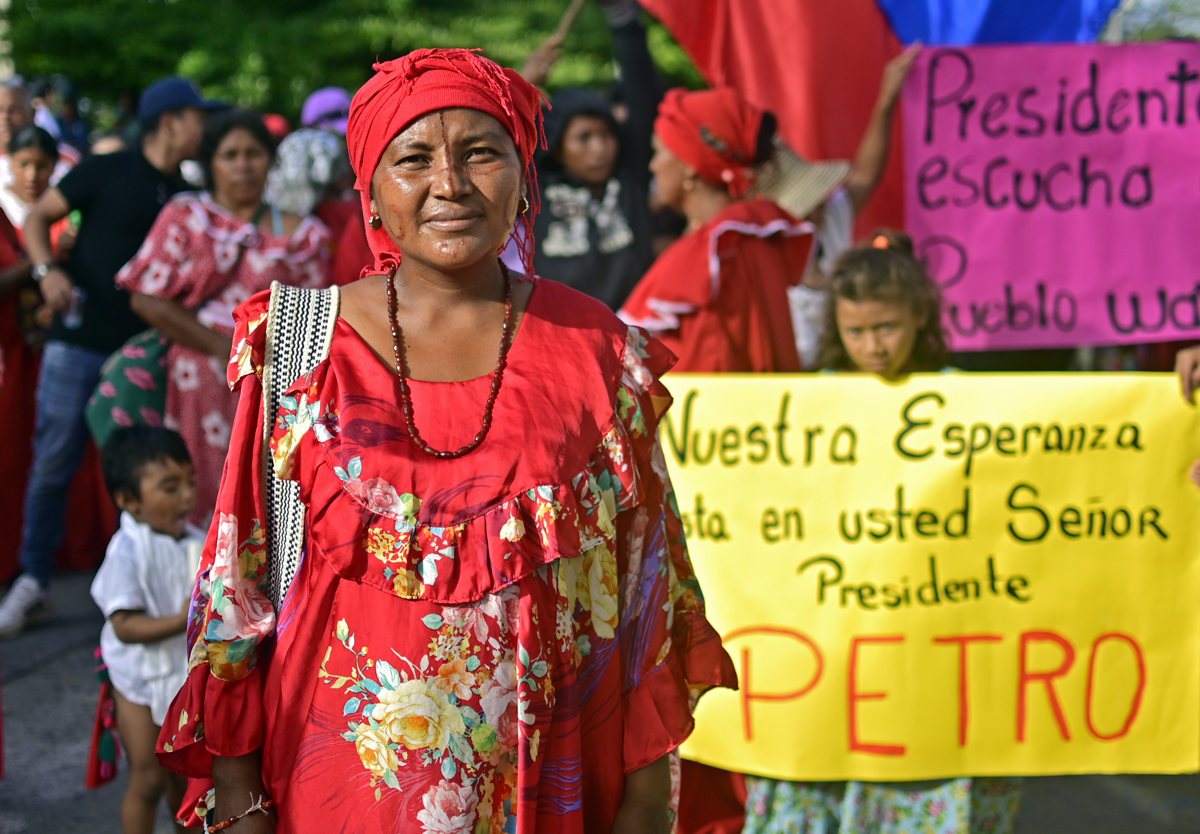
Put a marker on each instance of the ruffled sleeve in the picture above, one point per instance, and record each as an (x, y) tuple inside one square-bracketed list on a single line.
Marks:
[(219, 709), (670, 652), (161, 266)]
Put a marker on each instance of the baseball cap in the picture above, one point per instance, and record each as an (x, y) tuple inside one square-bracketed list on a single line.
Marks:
[(172, 93), (328, 107)]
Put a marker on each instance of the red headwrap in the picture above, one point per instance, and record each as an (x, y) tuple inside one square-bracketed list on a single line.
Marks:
[(713, 131), (425, 80)]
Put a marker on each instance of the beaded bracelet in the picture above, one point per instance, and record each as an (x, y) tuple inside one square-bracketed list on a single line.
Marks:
[(260, 806)]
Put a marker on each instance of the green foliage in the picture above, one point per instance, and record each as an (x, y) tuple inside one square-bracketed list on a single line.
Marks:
[(272, 53)]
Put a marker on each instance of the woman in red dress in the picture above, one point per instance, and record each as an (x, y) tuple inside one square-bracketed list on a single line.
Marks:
[(207, 253), (495, 625)]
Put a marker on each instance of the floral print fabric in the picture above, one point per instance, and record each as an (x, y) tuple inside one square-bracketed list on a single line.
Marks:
[(473, 645), (210, 261), (950, 806)]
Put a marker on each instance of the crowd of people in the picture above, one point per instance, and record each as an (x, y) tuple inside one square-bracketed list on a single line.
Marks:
[(445, 586)]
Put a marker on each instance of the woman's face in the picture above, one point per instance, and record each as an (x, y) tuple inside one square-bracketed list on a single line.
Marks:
[(670, 173), (589, 150), (447, 188), (878, 335), (31, 169), (239, 169)]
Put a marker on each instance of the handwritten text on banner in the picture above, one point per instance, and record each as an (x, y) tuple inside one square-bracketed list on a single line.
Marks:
[(958, 575), (1052, 190)]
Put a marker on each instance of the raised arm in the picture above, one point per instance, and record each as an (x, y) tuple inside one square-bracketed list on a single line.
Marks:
[(871, 159), (638, 81)]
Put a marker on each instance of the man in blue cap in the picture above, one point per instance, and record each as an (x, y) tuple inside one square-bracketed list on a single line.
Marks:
[(119, 196)]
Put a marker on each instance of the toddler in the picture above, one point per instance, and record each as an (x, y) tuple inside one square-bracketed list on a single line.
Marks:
[(143, 587)]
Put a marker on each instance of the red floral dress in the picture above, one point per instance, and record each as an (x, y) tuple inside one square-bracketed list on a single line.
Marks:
[(210, 261), (474, 645)]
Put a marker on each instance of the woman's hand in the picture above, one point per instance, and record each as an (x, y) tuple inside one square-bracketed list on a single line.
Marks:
[(894, 73), (180, 325), (644, 807)]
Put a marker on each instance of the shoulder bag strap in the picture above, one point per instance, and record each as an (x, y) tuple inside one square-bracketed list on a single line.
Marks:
[(299, 331)]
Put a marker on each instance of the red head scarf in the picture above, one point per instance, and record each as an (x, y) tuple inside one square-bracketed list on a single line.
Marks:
[(713, 131), (425, 80)]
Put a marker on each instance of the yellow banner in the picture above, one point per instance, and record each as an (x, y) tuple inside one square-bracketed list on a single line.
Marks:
[(963, 574)]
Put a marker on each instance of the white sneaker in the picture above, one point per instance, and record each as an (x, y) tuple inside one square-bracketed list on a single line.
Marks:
[(25, 602)]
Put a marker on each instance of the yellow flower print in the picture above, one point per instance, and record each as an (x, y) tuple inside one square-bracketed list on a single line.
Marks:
[(602, 588), (381, 544), (513, 529), (408, 585), (417, 715), (371, 745)]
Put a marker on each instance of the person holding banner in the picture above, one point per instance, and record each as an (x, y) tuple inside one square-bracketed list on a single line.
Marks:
[(493, 624), (885, 319), (718, 297)]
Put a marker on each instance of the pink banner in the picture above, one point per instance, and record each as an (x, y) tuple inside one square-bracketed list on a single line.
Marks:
[(1054, 191)]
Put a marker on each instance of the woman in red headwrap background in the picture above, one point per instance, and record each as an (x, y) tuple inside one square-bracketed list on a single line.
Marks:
[(494, 626), (718, 296)]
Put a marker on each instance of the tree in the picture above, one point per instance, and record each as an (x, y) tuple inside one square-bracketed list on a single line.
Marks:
[(272, 53)]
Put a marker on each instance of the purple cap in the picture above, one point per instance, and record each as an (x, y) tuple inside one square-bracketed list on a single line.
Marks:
[(172, 93), (328, 107)]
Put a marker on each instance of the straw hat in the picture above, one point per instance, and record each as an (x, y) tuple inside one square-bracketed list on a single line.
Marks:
[(796, 184)]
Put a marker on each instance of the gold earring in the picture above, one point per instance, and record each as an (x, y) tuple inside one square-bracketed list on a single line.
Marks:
[(689, 184), (523, 206), (375, 222)]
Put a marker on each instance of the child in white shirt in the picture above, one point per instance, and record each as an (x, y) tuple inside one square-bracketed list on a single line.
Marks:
[(143, 588)]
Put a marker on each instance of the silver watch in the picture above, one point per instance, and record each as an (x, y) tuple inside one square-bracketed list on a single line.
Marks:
[(39, 271)]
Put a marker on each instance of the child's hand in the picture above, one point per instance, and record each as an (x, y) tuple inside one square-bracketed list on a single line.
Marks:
[(1194, 473)]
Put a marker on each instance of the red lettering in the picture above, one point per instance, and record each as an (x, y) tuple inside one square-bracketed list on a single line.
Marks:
[(747, 694), (963, 642), (1027, 677), (1137, 696), (855, 696)]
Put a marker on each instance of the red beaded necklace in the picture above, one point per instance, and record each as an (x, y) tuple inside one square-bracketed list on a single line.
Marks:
[(406, 405)]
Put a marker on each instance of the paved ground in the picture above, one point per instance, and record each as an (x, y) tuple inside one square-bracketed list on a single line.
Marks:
[(49, 696)]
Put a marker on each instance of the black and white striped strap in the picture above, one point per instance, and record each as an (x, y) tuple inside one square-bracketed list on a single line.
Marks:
[(299, 330)]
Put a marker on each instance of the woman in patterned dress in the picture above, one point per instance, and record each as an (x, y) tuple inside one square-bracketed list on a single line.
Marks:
[(494, 626), (207, 253)]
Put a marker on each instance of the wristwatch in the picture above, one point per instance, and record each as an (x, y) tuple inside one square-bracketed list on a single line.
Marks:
[(39, 270)]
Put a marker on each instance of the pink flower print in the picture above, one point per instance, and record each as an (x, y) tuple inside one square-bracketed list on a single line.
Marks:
[(141, 378), (133, 352), (107, 390), (149, 416), (121, 416), (155, 278), (186, 373), (448, 809), (174, 242), (381, 497), (216, 429)]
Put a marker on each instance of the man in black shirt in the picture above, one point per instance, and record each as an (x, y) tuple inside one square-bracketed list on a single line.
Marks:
[(119, 196)]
